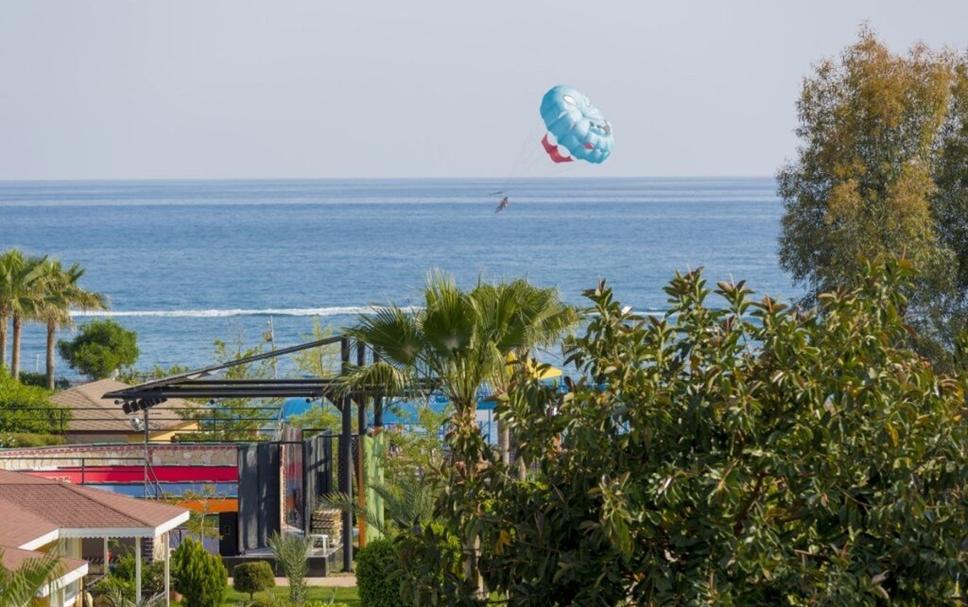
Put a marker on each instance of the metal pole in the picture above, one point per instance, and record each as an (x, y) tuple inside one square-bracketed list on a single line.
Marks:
[(167, 547), (137, 570), (346, 462)]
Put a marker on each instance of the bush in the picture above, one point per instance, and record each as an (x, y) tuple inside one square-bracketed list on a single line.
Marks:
[(29, 439), (39, 380), (152, 575), (27, 408), (199, 576), (736, 453), (253, 577), (377, 574), (101, 348)]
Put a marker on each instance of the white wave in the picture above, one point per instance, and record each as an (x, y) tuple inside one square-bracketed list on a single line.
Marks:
[(227, 313)]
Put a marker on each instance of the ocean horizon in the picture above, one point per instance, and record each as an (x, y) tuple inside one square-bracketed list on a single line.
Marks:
[(185, 262)]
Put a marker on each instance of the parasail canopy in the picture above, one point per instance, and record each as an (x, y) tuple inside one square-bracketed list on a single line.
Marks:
[(576, 128)]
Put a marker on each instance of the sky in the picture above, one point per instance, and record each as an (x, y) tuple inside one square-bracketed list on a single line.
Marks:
[(212, 89)]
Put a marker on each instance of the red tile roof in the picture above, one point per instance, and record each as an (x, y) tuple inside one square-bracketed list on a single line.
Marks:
[(40, 505), (12, 558)]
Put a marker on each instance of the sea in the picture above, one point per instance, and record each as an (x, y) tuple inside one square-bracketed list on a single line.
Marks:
[(185, 263)]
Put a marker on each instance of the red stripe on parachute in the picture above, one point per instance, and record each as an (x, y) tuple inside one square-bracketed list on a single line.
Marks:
[(553, 152)]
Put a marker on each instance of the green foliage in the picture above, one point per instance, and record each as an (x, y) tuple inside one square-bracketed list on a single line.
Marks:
[(458, 342), (152, 576), (27, 408), (28, 439), (100, 348), (234, 418), (736, 453), (378, 576), (253, 577), (432, 572), (19, 587), (199, 576), (292, 554), (39, 380), (880, 172)]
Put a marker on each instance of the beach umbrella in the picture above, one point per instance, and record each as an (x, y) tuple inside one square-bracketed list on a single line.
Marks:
[(576, 128)]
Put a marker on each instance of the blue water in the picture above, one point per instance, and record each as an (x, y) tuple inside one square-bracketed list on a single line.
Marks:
[(185, 262)]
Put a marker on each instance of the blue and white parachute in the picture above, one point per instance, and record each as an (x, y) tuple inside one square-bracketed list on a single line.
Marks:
[(577, 127)]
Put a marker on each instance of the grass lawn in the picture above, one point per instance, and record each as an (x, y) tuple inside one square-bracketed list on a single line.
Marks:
[(315, 594)]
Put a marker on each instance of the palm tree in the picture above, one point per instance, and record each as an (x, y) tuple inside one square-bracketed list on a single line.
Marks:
[(459, 342), (20, 586), (59, 293), (19, 294)]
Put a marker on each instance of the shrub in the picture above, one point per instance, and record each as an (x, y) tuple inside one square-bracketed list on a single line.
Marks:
[(253, 577), (377, 574), (291, 552), (39, 380), (27, 408), (29, 439), (199, 576), (101, 348), (152, 575), (737, 453)]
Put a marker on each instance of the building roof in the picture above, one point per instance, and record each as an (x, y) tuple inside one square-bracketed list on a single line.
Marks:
[(13, 558), (92, 413), (40, 505)]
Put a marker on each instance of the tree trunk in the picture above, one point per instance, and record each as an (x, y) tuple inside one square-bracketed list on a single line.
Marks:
[(465, 420), (504, 442), (4, 323), (51, 334), (15, 354)]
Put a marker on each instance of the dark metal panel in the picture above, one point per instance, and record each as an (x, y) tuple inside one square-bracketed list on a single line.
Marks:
[(248, 497)]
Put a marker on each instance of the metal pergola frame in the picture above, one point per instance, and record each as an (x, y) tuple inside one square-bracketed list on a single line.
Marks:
[(193, 385)]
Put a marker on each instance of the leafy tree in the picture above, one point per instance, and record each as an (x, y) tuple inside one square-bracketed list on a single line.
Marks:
[(234, 418), (457, 343), (292, 554), (736, 453), (27, 408), (100, 348), (59, 293), (199, 576), (19, 297), (378, 576), (867, 181), (253, 577), (19, 587)]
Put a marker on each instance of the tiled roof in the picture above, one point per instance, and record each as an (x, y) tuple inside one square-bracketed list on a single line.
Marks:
[(14, 557), (19, 526), (92, 413), (41, 504)]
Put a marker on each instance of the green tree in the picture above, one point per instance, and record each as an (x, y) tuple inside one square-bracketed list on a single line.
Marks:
[(292, 554), (866, 180), (28, 408), (457, 343), (59, 294), (253, 577), (199, 576), (100, 348), (737, 453), (20, 586), (19, 297), (235, 418)]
